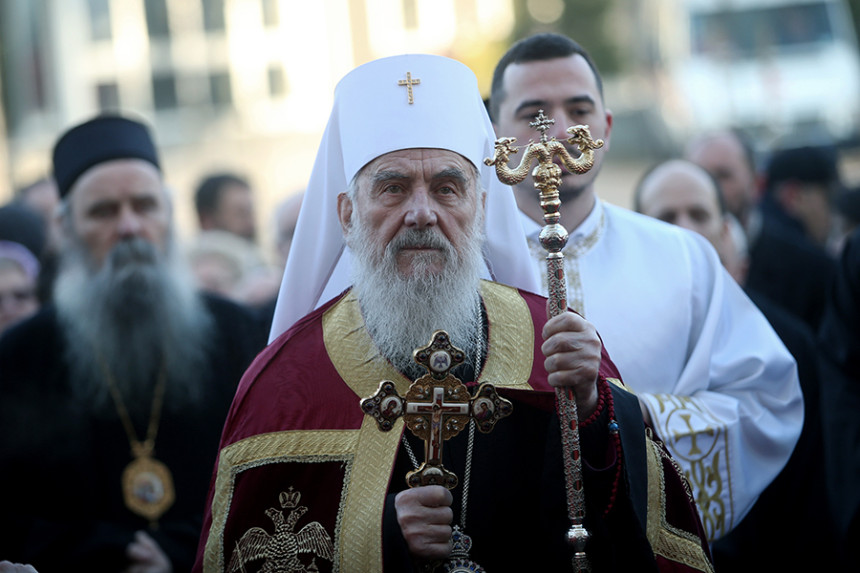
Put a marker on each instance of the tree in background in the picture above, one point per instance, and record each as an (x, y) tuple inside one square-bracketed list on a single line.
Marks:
[(854, 7), (586, 21)]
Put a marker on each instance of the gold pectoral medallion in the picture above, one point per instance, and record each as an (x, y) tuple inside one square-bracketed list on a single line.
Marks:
[(147, 487)]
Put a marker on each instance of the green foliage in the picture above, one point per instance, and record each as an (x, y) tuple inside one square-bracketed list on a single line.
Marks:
[(585, 21), (854, 7)]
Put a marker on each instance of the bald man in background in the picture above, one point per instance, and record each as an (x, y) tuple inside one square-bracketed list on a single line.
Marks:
[(682, 193), (792, 272)]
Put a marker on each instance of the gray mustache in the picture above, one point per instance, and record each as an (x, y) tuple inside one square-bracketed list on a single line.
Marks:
[(414, 238), (132, 251)]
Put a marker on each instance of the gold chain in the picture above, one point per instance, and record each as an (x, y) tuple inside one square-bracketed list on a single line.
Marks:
[(146, 447)]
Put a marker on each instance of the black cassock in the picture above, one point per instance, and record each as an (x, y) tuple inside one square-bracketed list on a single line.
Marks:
[(839, 343), (61, 501)]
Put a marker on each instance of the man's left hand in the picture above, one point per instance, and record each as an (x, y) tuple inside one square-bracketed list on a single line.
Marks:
[(9, 567), (146, 556), (572, 350)]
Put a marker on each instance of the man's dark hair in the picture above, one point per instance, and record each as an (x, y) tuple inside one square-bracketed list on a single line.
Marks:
[(637, 192), (808, 164), (209, 191), (537, 48)]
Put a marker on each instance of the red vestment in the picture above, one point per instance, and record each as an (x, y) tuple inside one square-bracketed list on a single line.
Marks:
[(303, 475)]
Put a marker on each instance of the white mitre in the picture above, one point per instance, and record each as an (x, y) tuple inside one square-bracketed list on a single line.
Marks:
[(377, 111)]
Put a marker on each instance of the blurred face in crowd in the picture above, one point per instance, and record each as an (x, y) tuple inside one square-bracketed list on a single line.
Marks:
[(810, 203), (413, 220), (17, 294), (235, 212), (566, 90), (724, 158), (44, 198), (116, 201), (683, 194), (680, 193)]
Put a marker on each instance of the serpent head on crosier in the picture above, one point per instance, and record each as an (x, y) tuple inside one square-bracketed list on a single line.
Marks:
[(544, 151), (504, 149), (580, 136)]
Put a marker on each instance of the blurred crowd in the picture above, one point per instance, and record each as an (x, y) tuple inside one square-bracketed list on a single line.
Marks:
[(783, 222)]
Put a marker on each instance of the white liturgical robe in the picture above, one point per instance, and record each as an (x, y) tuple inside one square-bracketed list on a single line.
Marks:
[(721, 388)]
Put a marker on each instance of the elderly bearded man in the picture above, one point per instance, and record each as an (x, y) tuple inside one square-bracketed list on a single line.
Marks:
[(113, 398), (306, 481)]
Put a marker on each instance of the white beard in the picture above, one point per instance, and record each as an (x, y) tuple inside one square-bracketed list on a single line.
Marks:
[(401, 313), (137, 314)]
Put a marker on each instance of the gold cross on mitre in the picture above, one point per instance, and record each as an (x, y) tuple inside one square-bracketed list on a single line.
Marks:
[(437, 407), (409, 82)]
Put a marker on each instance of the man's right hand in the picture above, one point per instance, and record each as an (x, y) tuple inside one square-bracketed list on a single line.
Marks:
[(572, 350), (425, 516)]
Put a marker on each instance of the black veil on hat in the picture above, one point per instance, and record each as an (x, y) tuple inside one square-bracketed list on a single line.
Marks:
[(100, 139)]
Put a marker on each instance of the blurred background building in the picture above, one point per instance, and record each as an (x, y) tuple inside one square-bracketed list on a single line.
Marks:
[(246, 85)]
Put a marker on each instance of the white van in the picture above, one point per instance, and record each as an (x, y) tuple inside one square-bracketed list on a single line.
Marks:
[(785, 69)]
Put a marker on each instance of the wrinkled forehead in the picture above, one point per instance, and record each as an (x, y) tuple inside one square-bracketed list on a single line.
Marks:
[(117, 178), (424, 163)]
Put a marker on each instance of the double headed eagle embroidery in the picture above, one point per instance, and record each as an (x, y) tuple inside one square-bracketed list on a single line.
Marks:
[(280, 550)]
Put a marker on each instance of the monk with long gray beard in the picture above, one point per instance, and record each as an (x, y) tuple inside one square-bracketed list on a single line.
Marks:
[(112, 399), (411, 232)]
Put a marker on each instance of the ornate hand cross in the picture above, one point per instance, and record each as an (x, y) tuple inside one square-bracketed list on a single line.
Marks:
[(437, 407)]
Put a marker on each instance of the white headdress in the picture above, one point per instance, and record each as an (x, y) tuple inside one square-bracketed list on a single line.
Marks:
[(402, 102)]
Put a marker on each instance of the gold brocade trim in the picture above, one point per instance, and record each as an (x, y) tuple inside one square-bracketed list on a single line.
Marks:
[(357, 361), (303, 446), (355, 358), (510, 352), (618, 384), (666, 540), (509, 356)]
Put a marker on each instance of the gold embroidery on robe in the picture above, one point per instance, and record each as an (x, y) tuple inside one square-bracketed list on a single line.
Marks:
[(303, 446), (698, 438), (280, 550)]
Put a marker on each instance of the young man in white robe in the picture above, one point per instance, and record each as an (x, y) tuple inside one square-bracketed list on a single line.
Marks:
[(711, 375)]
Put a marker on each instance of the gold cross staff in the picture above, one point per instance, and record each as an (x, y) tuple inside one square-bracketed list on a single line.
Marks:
[(553, 237), (436, 408), (409, 82)]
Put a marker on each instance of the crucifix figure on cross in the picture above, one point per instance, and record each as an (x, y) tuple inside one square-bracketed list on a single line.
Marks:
[(437, 407)]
